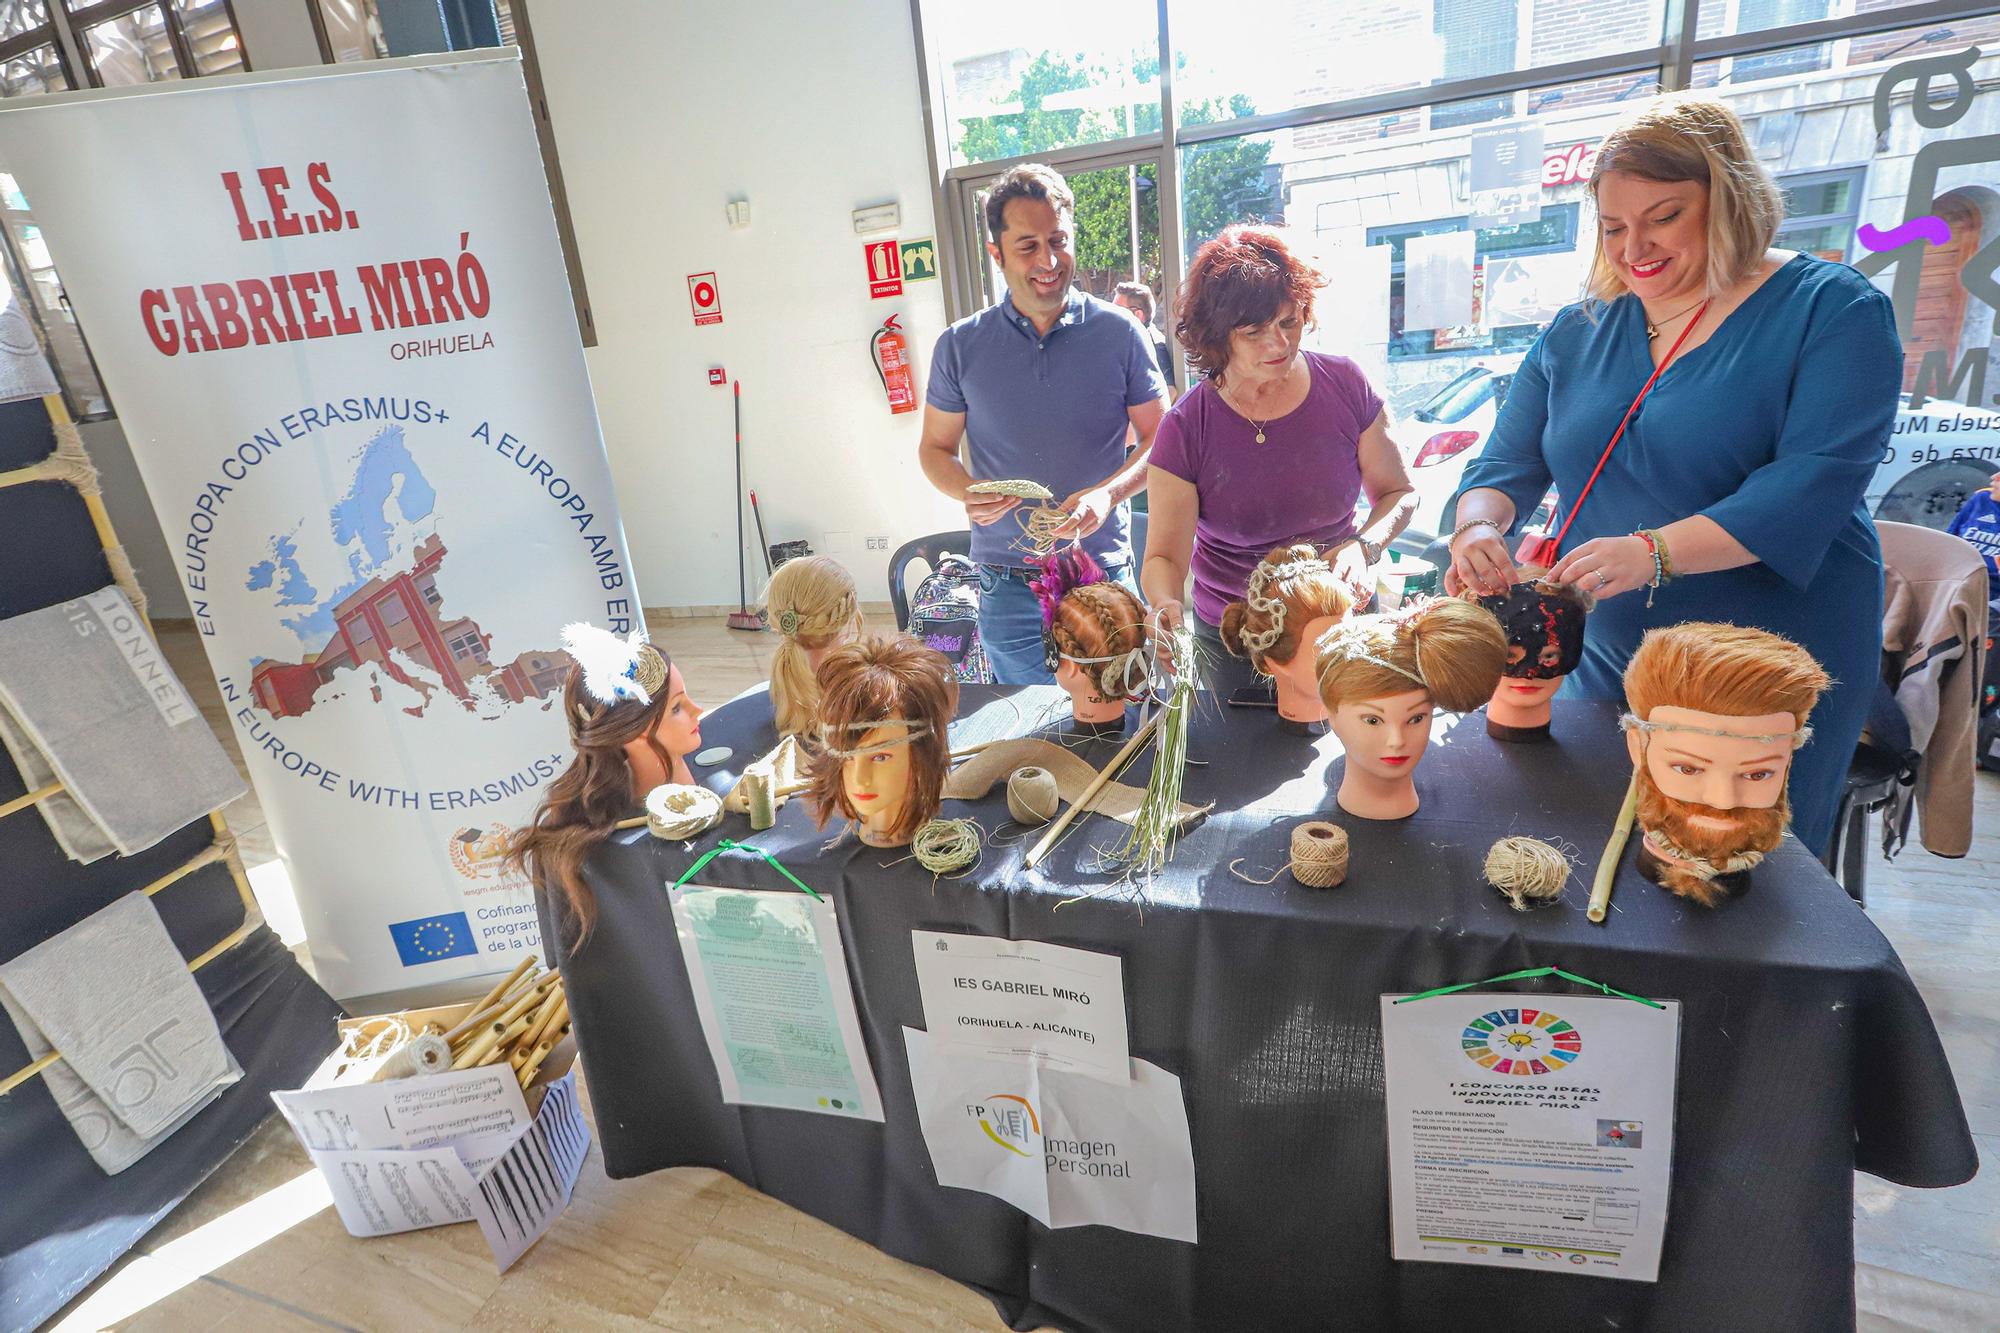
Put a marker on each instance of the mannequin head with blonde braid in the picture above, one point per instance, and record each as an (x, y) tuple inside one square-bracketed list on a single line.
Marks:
[(811, 603)]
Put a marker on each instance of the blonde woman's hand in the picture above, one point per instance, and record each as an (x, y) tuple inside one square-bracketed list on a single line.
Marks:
[(1607, 566), (1479, 562)]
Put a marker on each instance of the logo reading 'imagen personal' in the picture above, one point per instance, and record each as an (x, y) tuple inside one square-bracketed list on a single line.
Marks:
[(1522, 1042), (1010, 1121)]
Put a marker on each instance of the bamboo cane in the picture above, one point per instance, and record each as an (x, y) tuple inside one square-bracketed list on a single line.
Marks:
[(1607, 865), (1082, 803), (473, 1022), (505, 984), (488, 1045)]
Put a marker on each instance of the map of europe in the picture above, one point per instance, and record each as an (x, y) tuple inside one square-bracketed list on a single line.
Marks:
[(383, 611)]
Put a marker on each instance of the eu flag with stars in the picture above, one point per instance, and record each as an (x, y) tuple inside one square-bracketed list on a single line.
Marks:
[(430, 938)]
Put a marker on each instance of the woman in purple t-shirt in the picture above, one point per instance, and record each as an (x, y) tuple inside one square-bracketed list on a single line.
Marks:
[(1276, 445)]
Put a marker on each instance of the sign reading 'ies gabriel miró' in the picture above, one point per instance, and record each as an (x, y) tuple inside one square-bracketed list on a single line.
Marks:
[(358, 399)]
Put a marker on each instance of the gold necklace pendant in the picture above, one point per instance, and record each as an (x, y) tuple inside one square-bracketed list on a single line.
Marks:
[(1260, 433)]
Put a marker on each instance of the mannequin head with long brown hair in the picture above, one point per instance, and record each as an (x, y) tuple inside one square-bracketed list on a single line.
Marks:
[(1294, 597), (1094, 633), (811, 603), (884, 722), (1382, 677), (624, 748)]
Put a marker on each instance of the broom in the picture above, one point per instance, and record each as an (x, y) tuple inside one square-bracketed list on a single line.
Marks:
[(742, 617)]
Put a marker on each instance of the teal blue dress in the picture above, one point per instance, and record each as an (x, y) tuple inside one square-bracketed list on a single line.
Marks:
[(1772, 428)]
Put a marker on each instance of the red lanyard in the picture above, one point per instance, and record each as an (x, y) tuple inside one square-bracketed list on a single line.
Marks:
[(1617, 434)]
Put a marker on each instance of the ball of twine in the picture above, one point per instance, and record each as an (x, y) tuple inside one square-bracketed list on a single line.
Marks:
[(676, 811), (427, 1053), (944, 846), (1526, 870), (1032, 797), (1319, 854)]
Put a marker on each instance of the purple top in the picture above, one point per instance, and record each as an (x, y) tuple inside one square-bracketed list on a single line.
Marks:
[(1301, 484)]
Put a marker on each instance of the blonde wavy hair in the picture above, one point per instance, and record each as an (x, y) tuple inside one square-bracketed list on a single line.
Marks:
[(1687, 137), (810, 602)]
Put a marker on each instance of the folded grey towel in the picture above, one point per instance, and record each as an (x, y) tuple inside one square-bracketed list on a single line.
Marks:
[(87, 697), (141, 1054), (24, 371)]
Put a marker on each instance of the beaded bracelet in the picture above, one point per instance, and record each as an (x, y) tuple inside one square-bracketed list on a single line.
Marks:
[(1470, 523), (1663, 569)]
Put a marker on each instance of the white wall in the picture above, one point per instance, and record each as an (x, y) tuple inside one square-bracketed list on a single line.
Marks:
[(665, 111)]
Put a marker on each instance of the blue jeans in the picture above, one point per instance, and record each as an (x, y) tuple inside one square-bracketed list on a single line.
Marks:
[(1010, 622)]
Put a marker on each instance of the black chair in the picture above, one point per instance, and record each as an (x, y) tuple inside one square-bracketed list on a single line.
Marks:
[(1883, 764), (927, 549)]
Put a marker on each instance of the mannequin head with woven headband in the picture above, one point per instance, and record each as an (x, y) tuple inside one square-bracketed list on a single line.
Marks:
[(1716, 713), (1293, 598), (1094, 635), (1381, 677), (811, 604), (883, 747), (632, 726), (1543, 623)]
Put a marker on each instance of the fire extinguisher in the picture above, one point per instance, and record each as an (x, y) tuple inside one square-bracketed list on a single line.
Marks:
[(890, 352)]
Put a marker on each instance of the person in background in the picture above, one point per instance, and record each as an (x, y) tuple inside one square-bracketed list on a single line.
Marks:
[(1276, 445), (1136, 300), (1043, 386), (1741, 475), (1978, 522)]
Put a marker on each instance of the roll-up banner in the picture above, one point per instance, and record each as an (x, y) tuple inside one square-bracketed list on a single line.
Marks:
[(331, 310)]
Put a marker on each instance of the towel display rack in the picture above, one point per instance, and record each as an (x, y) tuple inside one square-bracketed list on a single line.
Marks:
[(70, 465)]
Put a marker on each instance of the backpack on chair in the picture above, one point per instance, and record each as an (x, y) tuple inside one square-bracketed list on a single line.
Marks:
[(944, 614)]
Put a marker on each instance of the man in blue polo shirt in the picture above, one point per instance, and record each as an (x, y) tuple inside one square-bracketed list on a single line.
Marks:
[(1040, 387)]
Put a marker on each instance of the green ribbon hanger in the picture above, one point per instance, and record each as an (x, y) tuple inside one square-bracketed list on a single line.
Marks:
[(1525, 975), (728, 844)]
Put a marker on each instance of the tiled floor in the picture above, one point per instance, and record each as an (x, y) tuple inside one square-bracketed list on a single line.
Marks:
[(258, 1247)]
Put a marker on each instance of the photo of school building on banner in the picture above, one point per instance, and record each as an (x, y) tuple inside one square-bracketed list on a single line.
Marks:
[(357, 396)]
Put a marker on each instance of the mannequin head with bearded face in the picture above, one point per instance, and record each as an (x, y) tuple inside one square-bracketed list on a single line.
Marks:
[(1544, 627), (1716, 714)]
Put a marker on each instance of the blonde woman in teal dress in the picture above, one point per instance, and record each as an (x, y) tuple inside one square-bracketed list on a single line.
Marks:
[(1745, 465)]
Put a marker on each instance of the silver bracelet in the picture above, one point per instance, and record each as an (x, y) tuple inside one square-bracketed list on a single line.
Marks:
[(1468, 525)]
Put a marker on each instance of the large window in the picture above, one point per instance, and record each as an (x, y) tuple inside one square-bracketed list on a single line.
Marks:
[(1371, 130), (49, 46)]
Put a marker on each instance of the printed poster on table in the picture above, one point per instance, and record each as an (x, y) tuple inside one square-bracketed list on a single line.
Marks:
[(1024, 1000), (1067, 1149), (332, 310), (1531, 1131), (776, 1002)]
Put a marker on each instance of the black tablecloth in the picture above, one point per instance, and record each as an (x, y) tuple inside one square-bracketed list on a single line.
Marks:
[(1806, 1051)]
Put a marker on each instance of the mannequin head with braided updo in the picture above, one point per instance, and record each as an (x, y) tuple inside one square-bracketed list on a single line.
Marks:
[(1095, 633), (811, 603), (1294, 597), (883, 750), (1382, 677)]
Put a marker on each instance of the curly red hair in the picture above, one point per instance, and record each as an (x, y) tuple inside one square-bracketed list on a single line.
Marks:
[(1241, 279)]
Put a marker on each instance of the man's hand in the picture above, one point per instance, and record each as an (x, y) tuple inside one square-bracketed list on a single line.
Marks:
[(983, 510), (1087, 511)]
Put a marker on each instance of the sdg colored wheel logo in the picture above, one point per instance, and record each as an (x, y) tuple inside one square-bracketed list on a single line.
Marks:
[(1522, 1042)]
